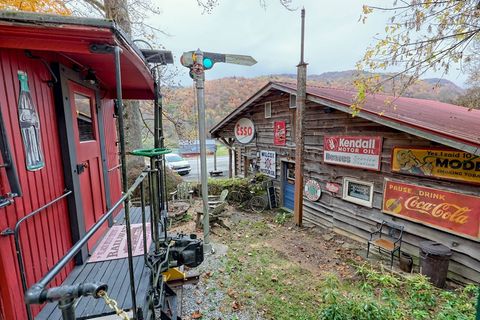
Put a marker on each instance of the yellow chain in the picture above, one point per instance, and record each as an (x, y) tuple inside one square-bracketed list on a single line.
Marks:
[(113, 305)]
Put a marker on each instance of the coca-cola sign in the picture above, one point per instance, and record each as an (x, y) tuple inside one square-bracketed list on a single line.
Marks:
[(353, 151), (449, 211), (279, 133)]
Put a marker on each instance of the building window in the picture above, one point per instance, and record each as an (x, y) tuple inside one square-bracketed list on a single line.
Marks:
[(268, 110), (291, 172), (293, 101), (359, 192), (84, 117)]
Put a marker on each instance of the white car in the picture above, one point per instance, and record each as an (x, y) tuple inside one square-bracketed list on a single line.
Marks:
[(177, 164)]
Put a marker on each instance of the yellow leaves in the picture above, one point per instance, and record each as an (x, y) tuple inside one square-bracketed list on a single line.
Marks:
[(366, 9), (42, 6)]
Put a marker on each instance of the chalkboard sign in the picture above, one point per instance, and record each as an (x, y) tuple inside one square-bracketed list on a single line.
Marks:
[(272, 197)]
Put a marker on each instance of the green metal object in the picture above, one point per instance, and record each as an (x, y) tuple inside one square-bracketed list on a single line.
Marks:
[(150, 152)]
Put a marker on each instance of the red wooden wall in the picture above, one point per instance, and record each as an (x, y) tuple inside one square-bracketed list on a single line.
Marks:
[(46, 237), (112, 149)]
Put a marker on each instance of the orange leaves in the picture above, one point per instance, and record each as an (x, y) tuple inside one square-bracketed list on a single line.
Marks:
[(42, 6)]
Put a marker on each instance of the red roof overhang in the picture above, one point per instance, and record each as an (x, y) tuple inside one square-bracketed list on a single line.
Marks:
[(73, 42)]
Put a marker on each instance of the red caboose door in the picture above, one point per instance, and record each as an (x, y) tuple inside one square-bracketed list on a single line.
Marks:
[(89, 161)]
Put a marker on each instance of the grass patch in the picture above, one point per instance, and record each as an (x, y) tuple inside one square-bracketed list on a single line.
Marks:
[(264, 279), (222, 150)]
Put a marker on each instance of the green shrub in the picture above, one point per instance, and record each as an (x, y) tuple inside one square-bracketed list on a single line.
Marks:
[(243, 185)]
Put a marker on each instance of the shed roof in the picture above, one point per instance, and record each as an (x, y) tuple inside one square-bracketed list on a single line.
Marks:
[(444, 123), (72, 38)]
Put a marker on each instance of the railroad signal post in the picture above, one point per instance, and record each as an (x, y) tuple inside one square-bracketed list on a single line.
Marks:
[(198, 62)]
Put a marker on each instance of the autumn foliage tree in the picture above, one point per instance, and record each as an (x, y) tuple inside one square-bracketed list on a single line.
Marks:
[(421, 36), (45, 6)]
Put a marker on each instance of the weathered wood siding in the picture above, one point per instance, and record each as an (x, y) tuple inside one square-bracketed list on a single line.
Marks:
[(343, 216)]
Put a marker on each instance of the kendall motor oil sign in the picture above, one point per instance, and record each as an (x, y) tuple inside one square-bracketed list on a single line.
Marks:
[(353, 151)]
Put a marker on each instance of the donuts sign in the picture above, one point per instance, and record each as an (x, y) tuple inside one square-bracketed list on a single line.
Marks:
[(244, 130)]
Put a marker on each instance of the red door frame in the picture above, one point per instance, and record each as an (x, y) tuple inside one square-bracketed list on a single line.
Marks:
[(92, 185)]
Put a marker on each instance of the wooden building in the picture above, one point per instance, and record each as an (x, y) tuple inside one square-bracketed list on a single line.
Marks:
[(58, 140), (412, 161)]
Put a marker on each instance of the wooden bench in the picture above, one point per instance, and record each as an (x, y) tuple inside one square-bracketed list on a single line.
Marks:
[(387, 238), (215, 173)]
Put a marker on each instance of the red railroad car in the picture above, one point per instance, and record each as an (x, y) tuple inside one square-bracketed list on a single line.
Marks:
[(58, 139)]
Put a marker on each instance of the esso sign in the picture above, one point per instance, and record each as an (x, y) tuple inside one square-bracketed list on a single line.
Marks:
[(244, 130)]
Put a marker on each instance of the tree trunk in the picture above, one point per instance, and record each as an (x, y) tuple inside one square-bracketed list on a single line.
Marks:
[(118, 11)]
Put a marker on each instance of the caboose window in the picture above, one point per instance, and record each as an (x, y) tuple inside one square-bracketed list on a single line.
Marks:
[(84, 117)]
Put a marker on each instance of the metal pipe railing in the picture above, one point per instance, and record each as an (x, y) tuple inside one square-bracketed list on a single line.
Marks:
[(123, 161), (114, 168), (18, 247), (34, 291)]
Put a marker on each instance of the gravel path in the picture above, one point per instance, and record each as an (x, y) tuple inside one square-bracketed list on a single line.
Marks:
[(209, 298)]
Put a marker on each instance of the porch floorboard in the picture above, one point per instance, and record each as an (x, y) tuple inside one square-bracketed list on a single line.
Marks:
[(115, 274)]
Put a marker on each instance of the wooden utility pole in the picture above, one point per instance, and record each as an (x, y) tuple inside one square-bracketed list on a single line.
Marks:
[(299, 138)]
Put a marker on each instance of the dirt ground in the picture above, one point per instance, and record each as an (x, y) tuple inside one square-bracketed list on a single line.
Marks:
[(314, 249), (265, 267)]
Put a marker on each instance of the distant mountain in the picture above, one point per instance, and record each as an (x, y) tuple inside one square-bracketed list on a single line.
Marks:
[(224, 95)]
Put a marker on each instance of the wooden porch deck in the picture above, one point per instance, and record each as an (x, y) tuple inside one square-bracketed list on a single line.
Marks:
[(115, 274)]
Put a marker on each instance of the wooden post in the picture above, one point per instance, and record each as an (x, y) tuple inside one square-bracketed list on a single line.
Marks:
[(215, 159), (230, 162), (299, 138)]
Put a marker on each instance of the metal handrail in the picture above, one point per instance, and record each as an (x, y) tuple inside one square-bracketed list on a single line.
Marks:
[(18, 248), (32, 294), (114, 168)]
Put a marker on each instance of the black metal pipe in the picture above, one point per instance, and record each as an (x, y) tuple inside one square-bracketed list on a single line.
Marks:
[(152, 204), (156, 204), (144, 221), (160, 164), (67, 307), (42, 283), (118, 78), (18, 247)]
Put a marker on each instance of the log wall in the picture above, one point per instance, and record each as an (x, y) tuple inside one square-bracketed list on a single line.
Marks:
[(331, 211)]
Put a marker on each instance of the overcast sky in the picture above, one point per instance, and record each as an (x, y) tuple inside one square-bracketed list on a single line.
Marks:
[(335, 40)]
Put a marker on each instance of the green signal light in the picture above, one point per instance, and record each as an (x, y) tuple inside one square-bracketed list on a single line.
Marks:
[(207, 63)]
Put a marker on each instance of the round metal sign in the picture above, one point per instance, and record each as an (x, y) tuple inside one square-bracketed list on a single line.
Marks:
[(244, 130), (312, 190)]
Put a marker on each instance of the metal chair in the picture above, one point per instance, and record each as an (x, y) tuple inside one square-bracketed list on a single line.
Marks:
[(387, 238)]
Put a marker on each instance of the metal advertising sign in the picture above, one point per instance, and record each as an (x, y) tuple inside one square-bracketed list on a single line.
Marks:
[(332, 187), (29, 126), (268, 163), (437, 163), (312, 190), (353, 151), (449, 211), (279, 133), (244, 130)]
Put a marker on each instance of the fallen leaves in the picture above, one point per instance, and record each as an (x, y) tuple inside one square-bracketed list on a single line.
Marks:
[(197, 315)]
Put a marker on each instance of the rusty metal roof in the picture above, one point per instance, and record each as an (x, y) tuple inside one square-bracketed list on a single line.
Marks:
[(445, 123)]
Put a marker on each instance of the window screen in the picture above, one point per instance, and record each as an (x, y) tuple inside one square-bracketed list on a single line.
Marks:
[(268, 109), (293, 101)]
